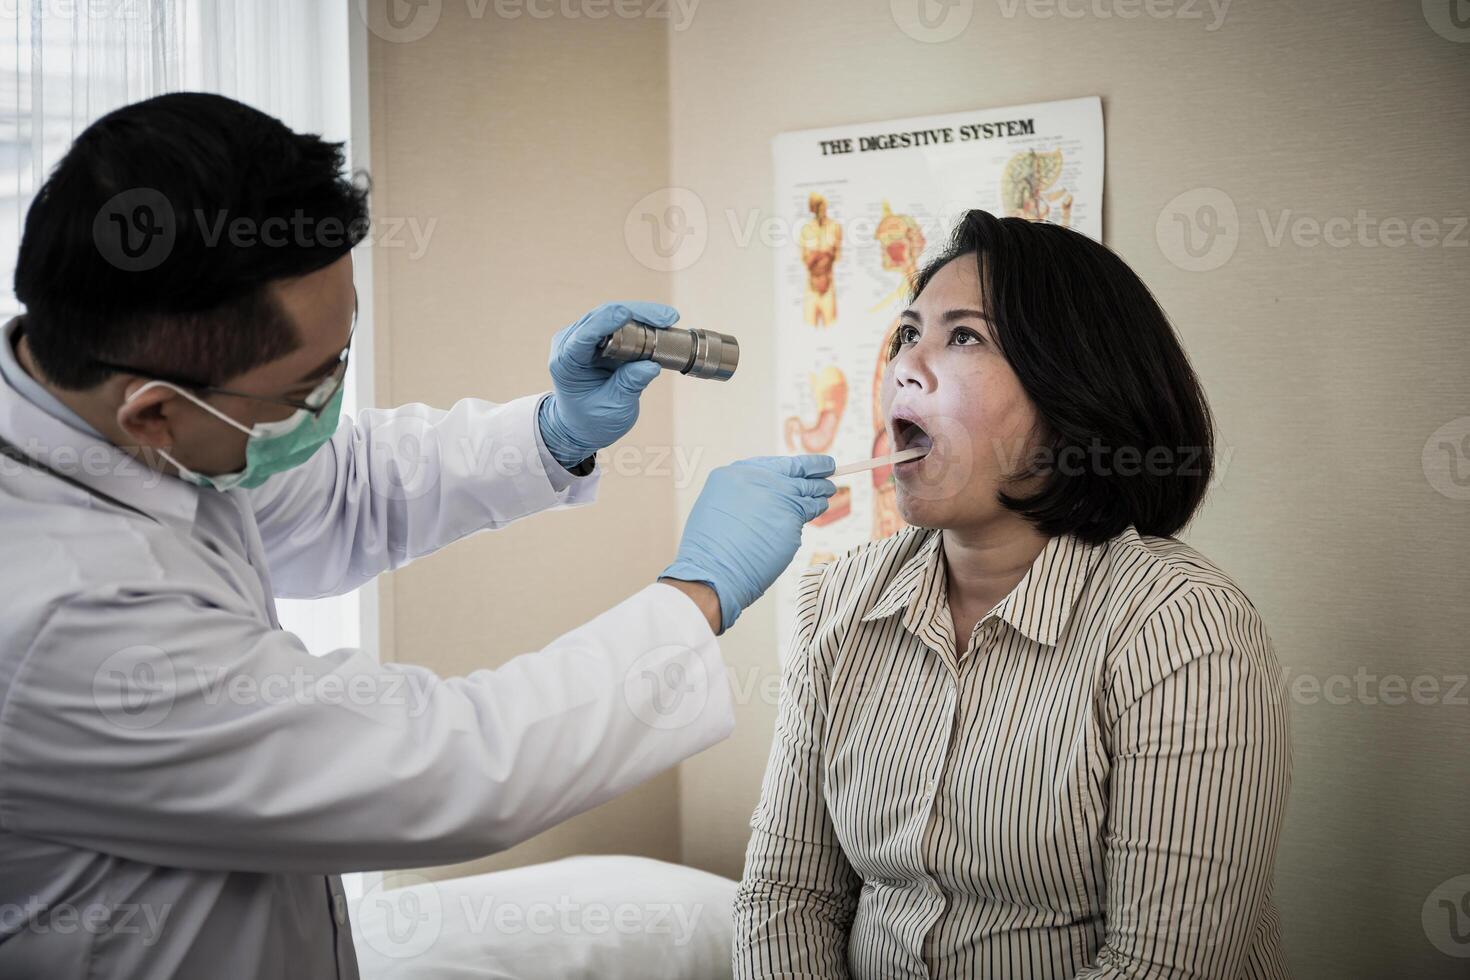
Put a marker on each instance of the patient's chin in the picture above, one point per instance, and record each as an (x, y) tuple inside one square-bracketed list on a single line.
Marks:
[(924, 509), (941, 506)]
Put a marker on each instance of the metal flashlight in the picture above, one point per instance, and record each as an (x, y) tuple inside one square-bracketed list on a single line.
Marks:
[(701, 353)]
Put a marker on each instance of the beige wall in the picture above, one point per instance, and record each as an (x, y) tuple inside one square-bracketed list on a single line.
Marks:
[(1329, 368), (523, 139)]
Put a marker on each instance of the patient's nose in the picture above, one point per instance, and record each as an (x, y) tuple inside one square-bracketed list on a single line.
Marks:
[(911, 370)]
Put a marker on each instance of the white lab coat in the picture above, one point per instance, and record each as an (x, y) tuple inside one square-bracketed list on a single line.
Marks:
[(181, 781)]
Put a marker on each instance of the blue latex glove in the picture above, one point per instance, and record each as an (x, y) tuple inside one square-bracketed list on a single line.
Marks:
[(592, 406), (746, 526)]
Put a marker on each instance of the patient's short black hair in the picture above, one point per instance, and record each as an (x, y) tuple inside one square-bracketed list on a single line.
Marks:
[(1129, 436), (153, 242)]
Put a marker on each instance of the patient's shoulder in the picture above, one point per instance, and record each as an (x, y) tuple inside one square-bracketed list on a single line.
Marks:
[(834, 593), (1170, 558), (1176, 605), (871, 560), (1160, 570)]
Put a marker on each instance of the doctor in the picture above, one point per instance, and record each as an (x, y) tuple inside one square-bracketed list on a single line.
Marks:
[(181, 781)]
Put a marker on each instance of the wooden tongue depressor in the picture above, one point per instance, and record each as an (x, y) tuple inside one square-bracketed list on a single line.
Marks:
[(871, 464)]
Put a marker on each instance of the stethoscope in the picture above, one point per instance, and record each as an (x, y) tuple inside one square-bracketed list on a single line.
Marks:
[(16, 453)]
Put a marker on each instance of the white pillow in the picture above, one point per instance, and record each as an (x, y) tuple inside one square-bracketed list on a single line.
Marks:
[(597, 917)]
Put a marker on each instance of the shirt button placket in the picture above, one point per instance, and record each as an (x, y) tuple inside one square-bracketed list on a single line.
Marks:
[(932, 786)]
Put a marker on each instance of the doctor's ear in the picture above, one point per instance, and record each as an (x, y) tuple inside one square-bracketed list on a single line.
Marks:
[(146, 414)]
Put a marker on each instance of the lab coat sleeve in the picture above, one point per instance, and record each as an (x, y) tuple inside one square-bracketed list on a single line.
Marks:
[(394, 485), (156, 728)]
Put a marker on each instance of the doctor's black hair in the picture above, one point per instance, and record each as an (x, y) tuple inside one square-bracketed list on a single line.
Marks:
[(153, 241), (1128, 437)]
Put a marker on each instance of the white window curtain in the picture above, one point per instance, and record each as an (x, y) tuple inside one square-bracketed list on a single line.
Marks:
[(64, 63)]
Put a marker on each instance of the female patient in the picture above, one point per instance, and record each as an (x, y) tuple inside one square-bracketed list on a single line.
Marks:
[(1032, 735)]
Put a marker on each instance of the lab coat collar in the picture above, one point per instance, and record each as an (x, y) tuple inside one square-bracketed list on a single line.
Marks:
[(91, 460), (31, 389), (1039, 606)]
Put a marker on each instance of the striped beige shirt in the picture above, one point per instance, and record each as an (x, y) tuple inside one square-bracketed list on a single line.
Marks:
[(1092, 787)]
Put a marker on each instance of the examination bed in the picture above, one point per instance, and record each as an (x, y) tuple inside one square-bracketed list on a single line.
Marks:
[(603, 917)]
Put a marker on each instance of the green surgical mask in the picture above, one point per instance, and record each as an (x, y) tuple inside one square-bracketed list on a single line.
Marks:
[(273, 447)]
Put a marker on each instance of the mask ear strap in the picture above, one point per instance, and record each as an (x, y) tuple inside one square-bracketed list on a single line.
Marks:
[(197, 401)]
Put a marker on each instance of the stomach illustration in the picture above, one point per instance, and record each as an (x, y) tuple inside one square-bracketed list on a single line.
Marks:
[(829, 389)]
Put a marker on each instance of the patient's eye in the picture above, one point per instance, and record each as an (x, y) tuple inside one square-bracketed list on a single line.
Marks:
[(969, 335), (905, 334)]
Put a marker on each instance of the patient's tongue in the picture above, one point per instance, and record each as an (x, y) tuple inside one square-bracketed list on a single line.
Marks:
[(918, 439)]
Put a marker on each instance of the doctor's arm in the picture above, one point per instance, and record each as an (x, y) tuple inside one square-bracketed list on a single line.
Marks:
[(394, 485), (1201, 750), (798, 896), (164, 721), (184, 734)]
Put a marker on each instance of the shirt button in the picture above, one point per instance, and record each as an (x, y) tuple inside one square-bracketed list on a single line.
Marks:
[(339, 909)]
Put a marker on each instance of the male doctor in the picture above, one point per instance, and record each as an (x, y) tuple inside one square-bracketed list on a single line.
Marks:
[(181, 781)]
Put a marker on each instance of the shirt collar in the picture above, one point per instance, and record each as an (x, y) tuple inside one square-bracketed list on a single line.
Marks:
[(912, 577), (82, 454), (1039, 606)]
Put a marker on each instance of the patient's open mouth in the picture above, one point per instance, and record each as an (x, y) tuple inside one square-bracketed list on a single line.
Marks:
[(908, 434)]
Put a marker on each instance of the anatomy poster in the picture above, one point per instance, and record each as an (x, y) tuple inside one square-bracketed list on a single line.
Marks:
[(866, 204)]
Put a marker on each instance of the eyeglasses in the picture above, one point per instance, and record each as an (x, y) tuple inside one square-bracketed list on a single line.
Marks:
[(315, 402)]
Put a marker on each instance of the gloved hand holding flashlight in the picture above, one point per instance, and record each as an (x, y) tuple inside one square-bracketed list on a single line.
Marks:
[(746, 526), (594, 404)]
